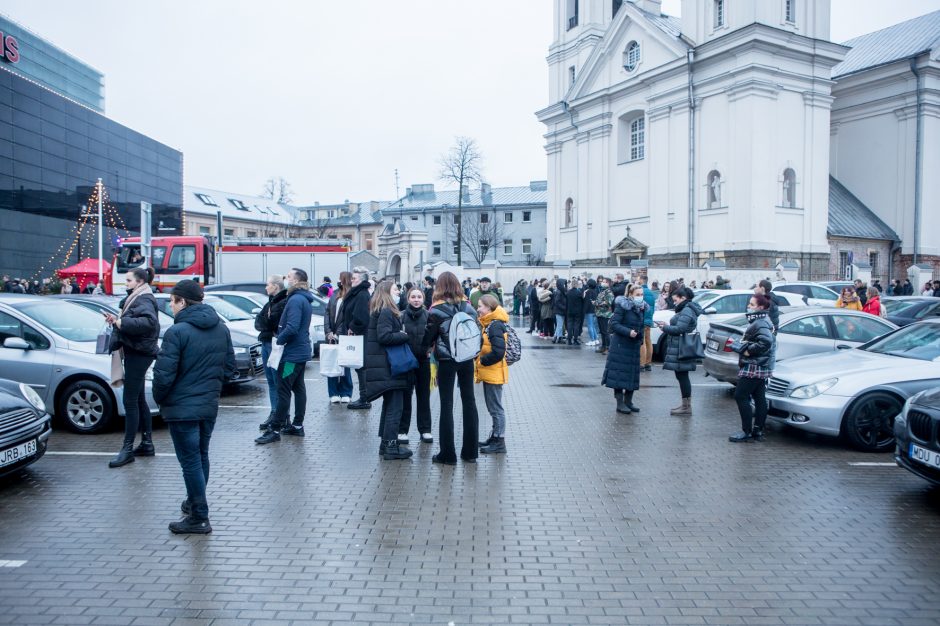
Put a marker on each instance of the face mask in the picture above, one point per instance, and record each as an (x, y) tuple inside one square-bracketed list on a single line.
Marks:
[(751, 310), (638, 300)]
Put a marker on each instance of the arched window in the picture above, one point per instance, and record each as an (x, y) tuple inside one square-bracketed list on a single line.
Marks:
[(631, 56), (714, 189), (569, 213), (789, 188)]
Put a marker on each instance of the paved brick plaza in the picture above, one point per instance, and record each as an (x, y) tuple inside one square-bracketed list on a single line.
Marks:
[(591, 518)]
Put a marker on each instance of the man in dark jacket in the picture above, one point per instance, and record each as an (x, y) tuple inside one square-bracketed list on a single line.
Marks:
[(355, 314), (534, 307), (861, 290), (907, 289), (574, 313), (765, 288), (293, 333), (195, 360), (486, 287), (266, 323), (560, 309), (428, 291)]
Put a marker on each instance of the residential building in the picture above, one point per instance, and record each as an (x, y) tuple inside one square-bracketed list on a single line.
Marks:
[(358, 223), (242, 215)]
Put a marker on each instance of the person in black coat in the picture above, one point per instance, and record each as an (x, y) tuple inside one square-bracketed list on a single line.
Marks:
[(574, 312), (428, 291), (907, 289), (534, 308), (355, 316), (622, 372), (415, 320), (195, 361), (134, 338), (560, 309), (266, 323), (685, 321), (765, 288), (340, 388), (385, 331), (756, 365)]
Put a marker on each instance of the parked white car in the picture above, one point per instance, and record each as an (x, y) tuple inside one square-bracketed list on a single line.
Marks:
[(813, 294), (252, 303)]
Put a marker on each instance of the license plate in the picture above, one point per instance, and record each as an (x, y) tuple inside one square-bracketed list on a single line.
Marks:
[(925, 456), (20, 452), (258, 361), (713, 345)]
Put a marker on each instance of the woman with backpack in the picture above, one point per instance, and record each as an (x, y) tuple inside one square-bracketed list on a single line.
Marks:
[(451, 313), (492, 369)]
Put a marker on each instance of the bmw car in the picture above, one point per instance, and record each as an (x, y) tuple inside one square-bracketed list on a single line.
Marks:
[(917, 430)]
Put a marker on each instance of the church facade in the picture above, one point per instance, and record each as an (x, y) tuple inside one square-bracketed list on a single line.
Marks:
[(708, 136)]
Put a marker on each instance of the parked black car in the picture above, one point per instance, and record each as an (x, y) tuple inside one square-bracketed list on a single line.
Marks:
[(904, 310), (917, 431), (24, 426)]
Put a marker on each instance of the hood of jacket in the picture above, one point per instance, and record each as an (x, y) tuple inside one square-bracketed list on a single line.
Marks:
[(199, 315), (692, 306), (628, 304), (561, 284), (305, 293), (498, 315)]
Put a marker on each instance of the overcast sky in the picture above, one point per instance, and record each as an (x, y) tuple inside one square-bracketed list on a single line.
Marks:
[(335, 95)]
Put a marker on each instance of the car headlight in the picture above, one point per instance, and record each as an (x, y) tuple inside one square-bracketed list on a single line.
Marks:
[(241, 350), (811, 391), (32, 397), (901, 419)]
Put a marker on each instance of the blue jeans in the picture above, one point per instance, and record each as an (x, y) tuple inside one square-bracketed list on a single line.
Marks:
[(269, 375), (191, 441), (591, 320), (341, 385), (559, 326)]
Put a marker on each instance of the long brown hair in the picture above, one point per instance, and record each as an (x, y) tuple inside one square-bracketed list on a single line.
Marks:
[(382, 298), (448, 289), (345, 283)]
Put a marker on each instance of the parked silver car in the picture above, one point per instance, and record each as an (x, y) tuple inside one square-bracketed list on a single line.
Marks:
[(252, 303), (803, 331), (858, 393), (50, 345)]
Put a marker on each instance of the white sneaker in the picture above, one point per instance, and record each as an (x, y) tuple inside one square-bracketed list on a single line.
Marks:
[(334, 399), (427, 438), (345, 399), (402, 438)]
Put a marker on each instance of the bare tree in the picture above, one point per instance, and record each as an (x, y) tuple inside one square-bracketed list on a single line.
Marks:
[(278, 189), (461, 165), (477, 236)]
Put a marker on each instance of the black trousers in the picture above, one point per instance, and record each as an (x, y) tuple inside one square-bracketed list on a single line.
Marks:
[(574, 324), (421, 387), (685, 385), (535, 318), (746, 389), (447, 373), (136, 412), (360, 373), (389, 421), (602, 324), (286, 385), (548, 325)]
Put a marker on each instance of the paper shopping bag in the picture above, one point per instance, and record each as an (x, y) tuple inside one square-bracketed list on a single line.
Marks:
[(350, 351), (329, 357)]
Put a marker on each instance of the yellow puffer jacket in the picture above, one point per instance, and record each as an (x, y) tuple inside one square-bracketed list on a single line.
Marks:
[(494, 373)]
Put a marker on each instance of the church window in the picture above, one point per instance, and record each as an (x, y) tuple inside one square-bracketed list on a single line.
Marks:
[(714, 189), (719, 13), (615, 6), (791, 11), (638, 138), (631, 57), (789, 188), (572, 14), (569, 213)]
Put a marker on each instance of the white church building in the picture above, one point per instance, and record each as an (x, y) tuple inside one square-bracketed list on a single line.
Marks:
[(740, 132)]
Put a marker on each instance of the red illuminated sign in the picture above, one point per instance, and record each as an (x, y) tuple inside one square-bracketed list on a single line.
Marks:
[(10, 49)]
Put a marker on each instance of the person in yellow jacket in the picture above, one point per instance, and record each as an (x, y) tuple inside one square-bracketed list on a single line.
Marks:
[(492, 370), (849, 299)]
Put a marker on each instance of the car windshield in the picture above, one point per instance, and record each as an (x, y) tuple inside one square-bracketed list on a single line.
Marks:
[(897, 307), (704, 299), (75, 323), (228, 311), (918, 341)]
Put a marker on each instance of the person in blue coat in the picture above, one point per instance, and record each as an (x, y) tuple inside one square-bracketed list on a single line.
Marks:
[(195, 360), (622, 372), (649, 297), (293, 332)]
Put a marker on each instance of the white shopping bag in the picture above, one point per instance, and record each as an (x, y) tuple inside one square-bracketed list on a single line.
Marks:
[(276, 353), (350, 351), (329, 357)]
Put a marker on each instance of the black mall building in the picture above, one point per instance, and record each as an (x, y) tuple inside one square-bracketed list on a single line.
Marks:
[(55, 142)]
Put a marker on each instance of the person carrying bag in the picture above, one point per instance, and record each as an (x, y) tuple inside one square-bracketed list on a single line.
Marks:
[(680, 353)]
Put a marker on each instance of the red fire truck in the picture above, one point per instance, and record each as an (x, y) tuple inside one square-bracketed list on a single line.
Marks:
[(199, 258)]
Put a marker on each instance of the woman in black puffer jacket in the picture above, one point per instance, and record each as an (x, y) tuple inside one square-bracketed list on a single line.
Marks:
[(756, 366), (415, 318), (266, 323), (683, 322), (134, 339), (622, 373), (385, 331)]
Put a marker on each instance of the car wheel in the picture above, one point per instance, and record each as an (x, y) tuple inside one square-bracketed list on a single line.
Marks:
[(85, 407), (869, 422)]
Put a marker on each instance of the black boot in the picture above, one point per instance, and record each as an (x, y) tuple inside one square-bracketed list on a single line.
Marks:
[(395, 452), (622, 407), (497, 446), (146, 445), (125, 456), (487, 442), (382, 448), (266, 424), (189, 526), (293, 430), (359, 405), (757, 433), (740, 437), (628, 400)]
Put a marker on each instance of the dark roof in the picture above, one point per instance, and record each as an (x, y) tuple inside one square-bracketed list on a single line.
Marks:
[(894, 43), (849, 217)]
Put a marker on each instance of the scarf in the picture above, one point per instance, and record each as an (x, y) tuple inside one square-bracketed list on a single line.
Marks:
[(298, 286), (117, 357), (753, 316), (138, 291)]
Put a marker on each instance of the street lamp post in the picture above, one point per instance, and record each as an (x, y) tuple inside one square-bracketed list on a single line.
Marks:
[(100, 238)]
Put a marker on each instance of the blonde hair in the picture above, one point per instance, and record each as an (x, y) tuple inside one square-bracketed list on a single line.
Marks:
[(382, 298)]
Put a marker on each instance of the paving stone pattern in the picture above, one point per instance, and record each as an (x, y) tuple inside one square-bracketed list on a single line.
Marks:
[(592, 518)]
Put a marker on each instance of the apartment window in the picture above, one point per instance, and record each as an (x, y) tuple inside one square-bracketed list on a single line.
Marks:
[(638, 138), (229, 232), (845, 270), (252, 233), (484, 218), (714, 189), (791, 11), (526, 217), (332, 236), (507, 247), (719, 13), (368, 242), (456, 251), (204, 230), (206, 199), (571, 75), (569, 213), (238, 204), (789, 188), (526, 246), (507, 217), (436, 220), (435, 248), (414, 218), (631, 56)]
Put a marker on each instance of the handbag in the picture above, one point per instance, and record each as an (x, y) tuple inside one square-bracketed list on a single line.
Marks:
[(350, 351), (329, 361), (690, 346), (103, 344), (401, 359)]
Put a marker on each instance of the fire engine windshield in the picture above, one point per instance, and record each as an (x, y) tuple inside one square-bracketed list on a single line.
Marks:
[(129, 257)]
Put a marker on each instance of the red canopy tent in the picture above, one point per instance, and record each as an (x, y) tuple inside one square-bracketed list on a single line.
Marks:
[(86, 271)]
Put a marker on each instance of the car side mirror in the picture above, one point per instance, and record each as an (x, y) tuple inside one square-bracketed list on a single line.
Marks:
[(710, 310), (256, 310), (16, 343), (842, 346)]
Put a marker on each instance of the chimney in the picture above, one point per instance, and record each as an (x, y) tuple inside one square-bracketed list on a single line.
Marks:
[(486, 194), (651, 6), (465, 192)]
